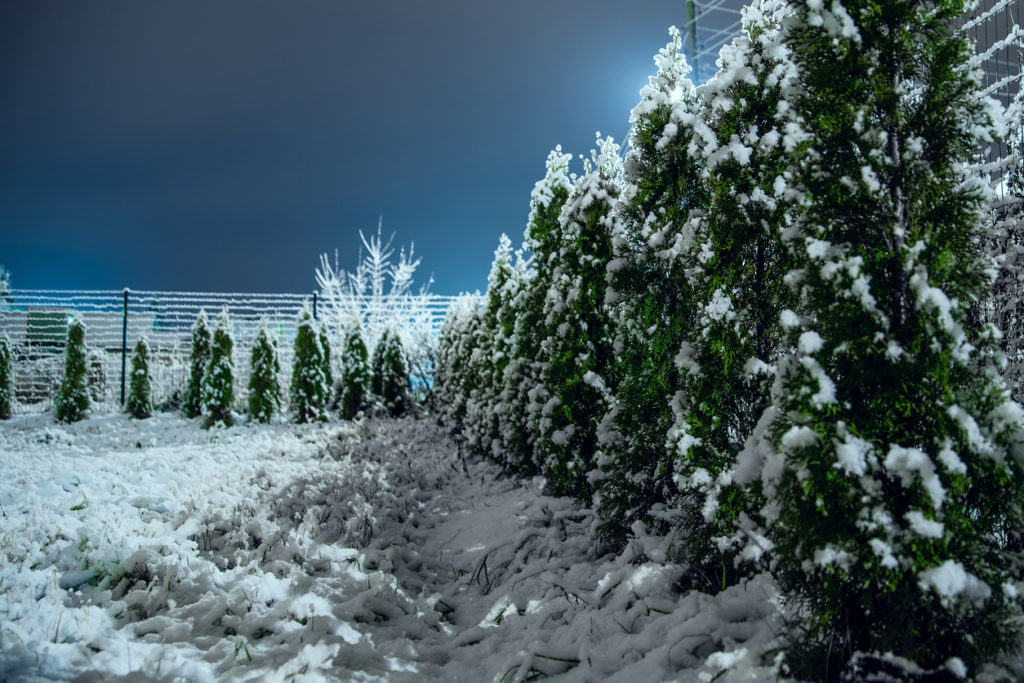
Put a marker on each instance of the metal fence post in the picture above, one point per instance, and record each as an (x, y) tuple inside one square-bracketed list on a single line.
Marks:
[(314, 305), (124, 341)]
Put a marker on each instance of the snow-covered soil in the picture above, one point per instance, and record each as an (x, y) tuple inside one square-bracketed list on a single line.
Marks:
[(370, 551)]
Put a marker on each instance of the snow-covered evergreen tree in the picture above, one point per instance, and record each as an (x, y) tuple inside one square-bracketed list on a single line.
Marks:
[(577, 347), (354, 392), (1007, 242), (72, 399), (6, 377), (489, 357), (891, 467), (309, 385), (390, 382), (140, 386), (325, 346), (264, 387), (192, 404), (522, 389), (650, 297), (455, 348), (739, 260), (219, 377)]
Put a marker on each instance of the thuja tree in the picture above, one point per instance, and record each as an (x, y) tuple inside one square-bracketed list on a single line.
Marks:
[(653, 309), (264, 388), (489, 357), (577, 346), (522, 390), (309, 385), (455, 347), (391, 374), (354, 392), (889, 463), (72, 398), (6, 377), (739, 261), (325, 346), (219, 376), (192, 404), (140, 386)]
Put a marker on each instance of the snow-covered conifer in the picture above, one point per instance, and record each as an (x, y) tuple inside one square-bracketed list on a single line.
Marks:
[(891, 467), (522, 389), (309, 385), (72, 399), (577, 347), (219, 376), (264, 387), (192, 404), (738, 261), (140, 387), (650, 295), (6, 377), (354, 393), (489, 357), (325, 346), (454, 380), (390, 381)]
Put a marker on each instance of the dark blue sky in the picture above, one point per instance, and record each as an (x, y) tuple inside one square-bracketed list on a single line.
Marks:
[(222, 145)]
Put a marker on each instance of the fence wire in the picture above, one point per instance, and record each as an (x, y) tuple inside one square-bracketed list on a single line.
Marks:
[(35, 322)]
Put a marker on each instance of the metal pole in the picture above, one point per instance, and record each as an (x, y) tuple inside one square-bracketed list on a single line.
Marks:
[(314, 305), (124, 341), (691, 30)]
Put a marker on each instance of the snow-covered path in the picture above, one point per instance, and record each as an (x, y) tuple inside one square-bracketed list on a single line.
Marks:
[(329, 552)]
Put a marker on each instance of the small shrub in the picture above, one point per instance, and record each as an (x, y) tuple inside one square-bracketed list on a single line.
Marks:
[(72, 398), (140, 388), (355, 373), (6, 377), (219, 377), (391, 374), (264, 389), (309, 386), (192, 403)]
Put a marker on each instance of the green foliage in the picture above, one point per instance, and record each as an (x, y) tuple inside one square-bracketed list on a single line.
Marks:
[(739, 263), (577, 345), (6, 377), (218, 390), (654, 310), (391, 374), (522, 391), (140, 387), (889, 463), (264, 388), (354, 395), (72, 399), (192, 404), (309, 386), (325, 346)]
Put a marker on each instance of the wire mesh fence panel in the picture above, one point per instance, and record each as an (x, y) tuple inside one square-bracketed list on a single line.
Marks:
[(35, 322)]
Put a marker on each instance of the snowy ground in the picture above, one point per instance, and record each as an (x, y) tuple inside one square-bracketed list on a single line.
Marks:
[(330, 552)]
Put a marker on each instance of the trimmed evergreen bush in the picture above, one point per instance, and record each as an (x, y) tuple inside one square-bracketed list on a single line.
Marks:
[(72, 399), (219, 376), (140, 388), (739, 263), (309, 386), (577, 348), (192, 403), (391, 374), (890, 465), (6, 377), (264, 388), (325, 346), (354, 393), (652, 298)]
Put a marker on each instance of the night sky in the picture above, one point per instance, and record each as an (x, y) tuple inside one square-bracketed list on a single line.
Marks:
[(222, 145)]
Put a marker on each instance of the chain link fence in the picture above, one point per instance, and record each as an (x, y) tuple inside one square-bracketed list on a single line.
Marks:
[(35, 322)]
